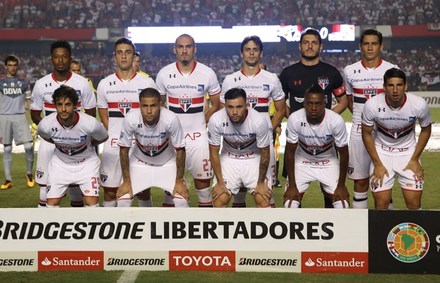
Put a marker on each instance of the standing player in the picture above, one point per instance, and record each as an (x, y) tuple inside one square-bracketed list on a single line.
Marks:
[(395, 150), (183, 86), (363, 80), (75, 135), (158, 159), (117, 94), (75, 67), (310, 70), (61, 57), (312, 135), (14, 91), (261, 88), (245, 152)]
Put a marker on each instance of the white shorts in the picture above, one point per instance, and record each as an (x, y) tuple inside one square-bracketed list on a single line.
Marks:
[(359, 159), (44, 156), (16, 128), (395, 165), (197, 160), (84, 174), (144, 176), (326, 173), (110, 171), (242, 174)]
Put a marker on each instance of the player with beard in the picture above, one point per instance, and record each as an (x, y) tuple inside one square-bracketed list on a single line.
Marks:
[(310, 70)]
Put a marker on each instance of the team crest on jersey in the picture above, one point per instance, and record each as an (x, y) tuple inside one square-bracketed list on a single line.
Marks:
[(151, 150), (395, 132), (185, 103), (124, 107), (39, 173), (201, 88), (323, 82), (266, 87), (103, 176), (370, 93), (252, 101)]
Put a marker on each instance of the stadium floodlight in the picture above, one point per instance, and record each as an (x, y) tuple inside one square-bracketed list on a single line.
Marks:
[(218, 34)]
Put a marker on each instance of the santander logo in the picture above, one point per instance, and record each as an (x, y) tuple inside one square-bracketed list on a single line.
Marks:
[(335, 262), (70, 260), (309, 262)]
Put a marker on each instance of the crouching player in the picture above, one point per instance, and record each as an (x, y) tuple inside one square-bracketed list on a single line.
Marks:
[(245, 154), (312, 134), (75, 135), (158, 158)]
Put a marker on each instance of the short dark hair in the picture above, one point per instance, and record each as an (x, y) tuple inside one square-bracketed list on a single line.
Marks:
[(74, 61), (371, 32), (253, 38), (137, 54), (315, 89), (311, 31), (235, 93), (185, 35), (66, 92), (394, 73), (149, 92), (13, 58), (61, 44), (124, 40)]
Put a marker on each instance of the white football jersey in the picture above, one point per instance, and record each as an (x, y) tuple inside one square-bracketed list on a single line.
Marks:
[(154, 145), (45, 87), (316, 142), (119, 97), (72, 144), (260, 89), (185, 93), (239, 141), (395, 128), (363, 83)]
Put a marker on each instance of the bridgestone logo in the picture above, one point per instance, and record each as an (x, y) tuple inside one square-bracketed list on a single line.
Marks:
[(16, 262), (136, 261), (268, 261)]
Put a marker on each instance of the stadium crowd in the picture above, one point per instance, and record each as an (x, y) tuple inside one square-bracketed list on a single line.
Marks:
[(123, 13), (421, 65)]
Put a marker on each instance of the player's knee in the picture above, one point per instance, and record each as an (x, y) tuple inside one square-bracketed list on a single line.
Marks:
[(110, 194), (413, 204), (27, 146), (222, 201), (361, 185), (261, 202), (7, 148)]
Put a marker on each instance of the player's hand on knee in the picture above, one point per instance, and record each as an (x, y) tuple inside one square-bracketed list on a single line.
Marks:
[(379, 173), (263, 190), (416, 168), (181, 189), (124, 188), (341, 193), (218, 190)]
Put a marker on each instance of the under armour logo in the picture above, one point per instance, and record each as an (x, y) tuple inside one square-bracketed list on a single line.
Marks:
[(139, 125), (303, 124), (381, 109), (237, 79), (357, 71), (299, 82), (112, 83), (172, 76), (225, 124), (49, 84), (54, 129)]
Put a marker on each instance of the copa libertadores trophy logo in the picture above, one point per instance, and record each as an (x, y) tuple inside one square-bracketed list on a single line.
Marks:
[(408, 242)]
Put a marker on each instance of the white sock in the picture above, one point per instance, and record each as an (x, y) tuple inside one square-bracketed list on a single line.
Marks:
[(391, 205), (167, 200), (146, 203), (52, 206), (338, 204), (43, 197), (204, 196), (125, 201), (180, 201), (93, 205), (360, 200), (295, 204), (109, 203)]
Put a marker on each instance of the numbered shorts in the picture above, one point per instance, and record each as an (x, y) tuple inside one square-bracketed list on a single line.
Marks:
[(395, 165), (144, 176), (242, 174), (197, 160), (84, 174), (327, 173)]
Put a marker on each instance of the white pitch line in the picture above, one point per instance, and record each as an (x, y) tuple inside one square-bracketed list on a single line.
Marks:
[(128, 276)]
